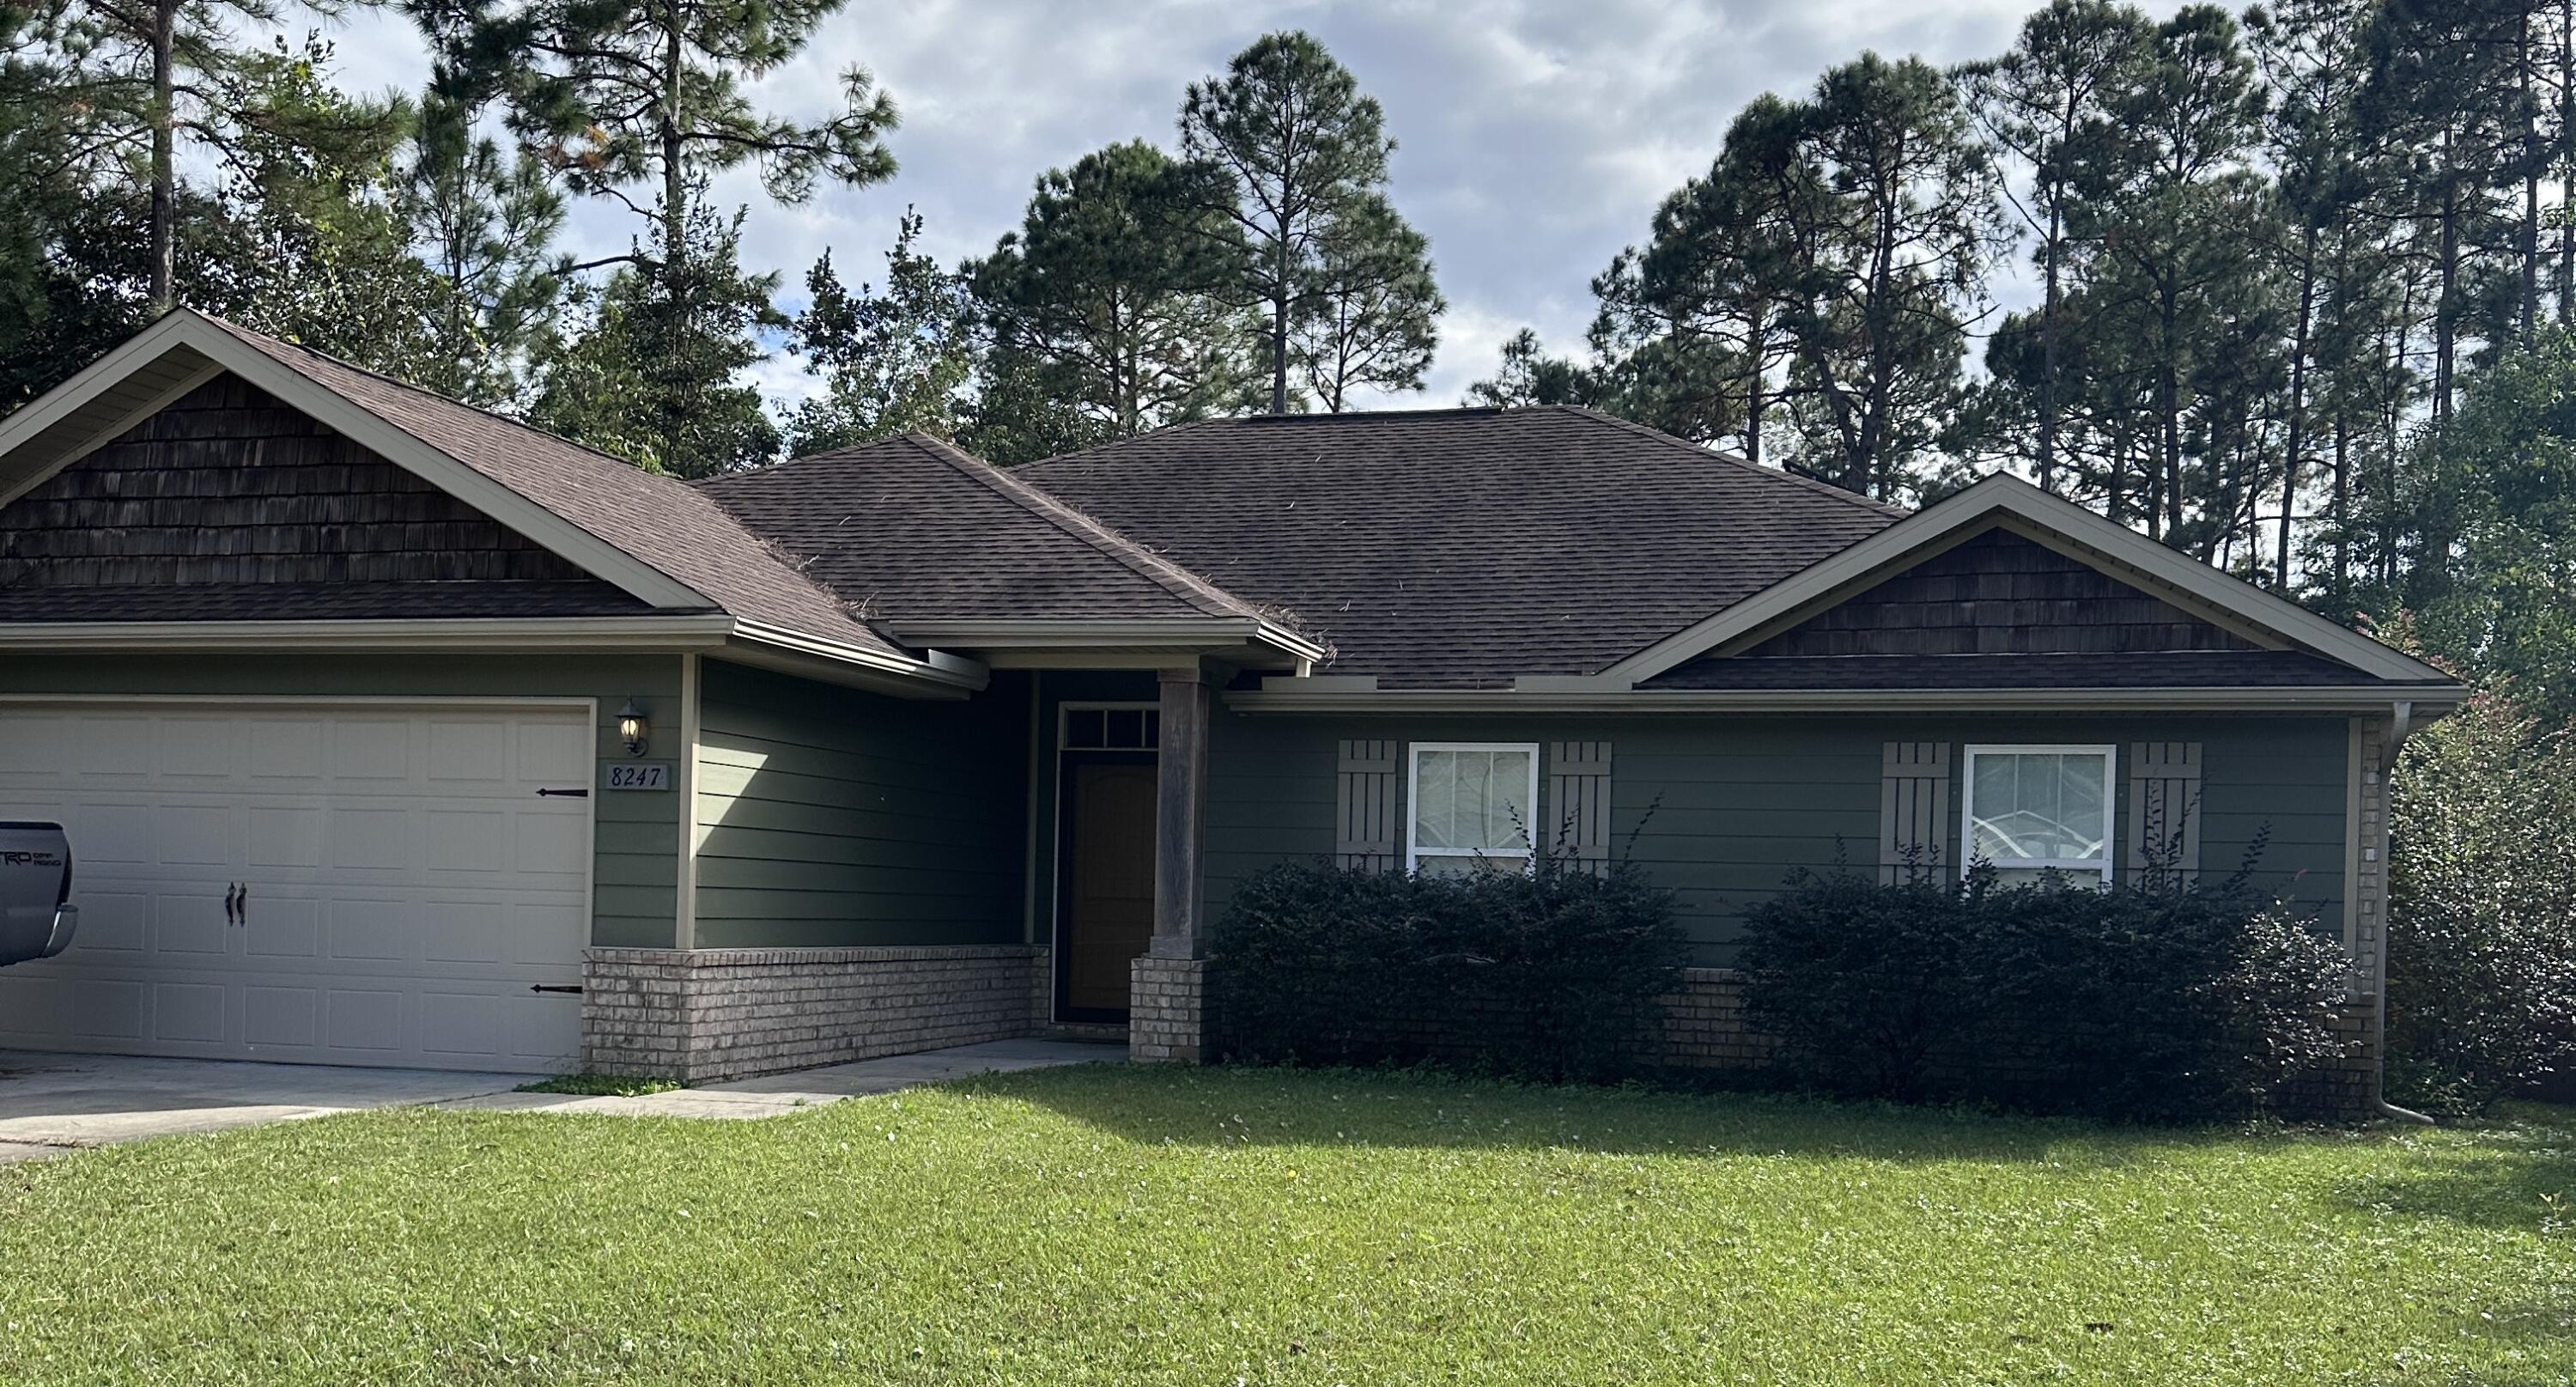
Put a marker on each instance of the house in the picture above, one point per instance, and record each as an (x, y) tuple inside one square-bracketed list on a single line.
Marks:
[(393, 732)]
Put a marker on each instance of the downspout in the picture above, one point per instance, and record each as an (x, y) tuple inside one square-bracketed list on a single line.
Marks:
[(2401, 724)]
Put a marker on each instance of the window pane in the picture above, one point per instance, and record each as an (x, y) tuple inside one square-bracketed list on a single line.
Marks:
[(2044, 807), (1084, 727), (1472, 799)]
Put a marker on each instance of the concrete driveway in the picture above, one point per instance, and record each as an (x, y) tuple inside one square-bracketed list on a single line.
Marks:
[(52, 1103)]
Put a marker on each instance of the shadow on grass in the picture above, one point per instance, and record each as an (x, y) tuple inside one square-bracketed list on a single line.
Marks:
[(2515, 1173), (1233, 1107)]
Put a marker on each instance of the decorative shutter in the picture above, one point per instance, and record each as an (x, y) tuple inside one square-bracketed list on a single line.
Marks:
[(1578, 798), (1369, 807), (2164, 807), (1913, 809)]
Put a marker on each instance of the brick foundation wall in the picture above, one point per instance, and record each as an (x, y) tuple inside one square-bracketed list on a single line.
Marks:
[(1167, 1015), (703, 1014)]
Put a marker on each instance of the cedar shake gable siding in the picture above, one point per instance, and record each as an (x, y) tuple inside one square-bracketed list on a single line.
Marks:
[(1461, 548), (911, 529), (227, 505), (657, 520)]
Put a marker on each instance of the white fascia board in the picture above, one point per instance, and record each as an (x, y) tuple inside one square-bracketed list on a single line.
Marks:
[(182, 328), (937, 668), (586, 634), (1955, 520), (1516, 702), (1009, 633)]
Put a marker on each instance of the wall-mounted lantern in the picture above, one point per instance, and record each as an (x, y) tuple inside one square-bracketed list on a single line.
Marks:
[(633, 728)]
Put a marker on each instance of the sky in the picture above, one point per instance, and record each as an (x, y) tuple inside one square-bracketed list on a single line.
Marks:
[(1534, 137)]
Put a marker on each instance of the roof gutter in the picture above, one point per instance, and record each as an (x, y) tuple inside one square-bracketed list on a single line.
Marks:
[(1077, 635), (1273, 698), (570, 634)]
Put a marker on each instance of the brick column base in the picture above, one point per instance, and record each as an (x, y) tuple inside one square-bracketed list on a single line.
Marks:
[(1167, 1010)]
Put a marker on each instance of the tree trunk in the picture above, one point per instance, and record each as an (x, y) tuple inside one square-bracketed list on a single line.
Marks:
[(165, 192), (675, 187), (2297, 439), (2048, 358), (2530, 247), (2445, 303), (1754, 328), (2566, 161)]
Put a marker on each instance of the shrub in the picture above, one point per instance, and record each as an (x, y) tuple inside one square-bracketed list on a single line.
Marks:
[(2482, 909), (1557, 974), (2148, 1001)]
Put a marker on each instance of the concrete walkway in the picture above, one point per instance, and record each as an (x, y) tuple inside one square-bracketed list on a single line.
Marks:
[(774, 1094), (53, 1104)]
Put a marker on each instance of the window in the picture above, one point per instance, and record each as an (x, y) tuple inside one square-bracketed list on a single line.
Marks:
[(2030, 808), (1111, 727), (1473, 804)]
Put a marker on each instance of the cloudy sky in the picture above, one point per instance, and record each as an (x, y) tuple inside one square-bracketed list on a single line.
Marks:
[(1534, 137)]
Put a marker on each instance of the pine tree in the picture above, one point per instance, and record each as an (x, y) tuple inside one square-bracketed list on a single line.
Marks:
[(1300, 164), (892, 362)]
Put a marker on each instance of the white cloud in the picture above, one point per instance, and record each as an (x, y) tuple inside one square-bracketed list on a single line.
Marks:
[(1535, 136)]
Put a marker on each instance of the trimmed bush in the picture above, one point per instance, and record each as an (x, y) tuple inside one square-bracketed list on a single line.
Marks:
[(2482, 909), (1555, 975), (2144, 1002)]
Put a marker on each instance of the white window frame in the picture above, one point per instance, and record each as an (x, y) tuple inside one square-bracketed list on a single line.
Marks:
[(2110, 756), (1415, 852)]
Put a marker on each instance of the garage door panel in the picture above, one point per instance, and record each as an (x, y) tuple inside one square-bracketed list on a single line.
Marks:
[(107, 1009), (186, 922), (371, 929), (286, 835), (284, 750), (189, 1013), (276, 1017), (466, 840), (194, 835), (364, 839), (370, 749), (111, 921), (405, 884), (284, 927), (359, 1019)]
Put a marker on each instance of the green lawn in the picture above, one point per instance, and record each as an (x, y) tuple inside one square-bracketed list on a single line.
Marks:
[(1105, 1224)]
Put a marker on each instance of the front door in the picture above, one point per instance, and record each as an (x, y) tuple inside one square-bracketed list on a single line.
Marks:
[(1107, 881)]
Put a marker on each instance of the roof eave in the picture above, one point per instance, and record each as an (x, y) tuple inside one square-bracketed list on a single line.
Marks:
[(1281, 696), (1020, 643)]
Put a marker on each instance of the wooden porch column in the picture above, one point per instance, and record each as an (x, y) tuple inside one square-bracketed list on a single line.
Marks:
[(1180, 816)]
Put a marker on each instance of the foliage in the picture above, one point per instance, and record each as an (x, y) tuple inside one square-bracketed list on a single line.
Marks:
[(592, 1085), (892, 362), (1558, 973), (2482, 909), (1297, 159), (2148, 1001), (1105, 311), (1159, 1226), (651, 377), (486, 223)]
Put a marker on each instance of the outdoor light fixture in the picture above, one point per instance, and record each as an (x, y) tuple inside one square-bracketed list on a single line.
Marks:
[(632, 728)]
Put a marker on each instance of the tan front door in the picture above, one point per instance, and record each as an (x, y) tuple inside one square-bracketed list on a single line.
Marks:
[(1108, 874)]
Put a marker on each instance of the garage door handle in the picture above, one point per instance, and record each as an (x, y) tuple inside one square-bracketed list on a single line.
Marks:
[(233, 904), (566, 794), (552, 987)]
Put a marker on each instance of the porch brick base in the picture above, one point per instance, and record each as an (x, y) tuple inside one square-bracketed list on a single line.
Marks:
[(1167, 1010), (1705, 1029), (703, 1014)]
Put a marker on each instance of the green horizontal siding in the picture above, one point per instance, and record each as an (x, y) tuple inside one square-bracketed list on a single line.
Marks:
[(1721, 809), (635, 863), (828, 817)]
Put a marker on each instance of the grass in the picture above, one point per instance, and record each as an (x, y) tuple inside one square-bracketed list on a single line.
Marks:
[(1104, 1224), (599, 1085)]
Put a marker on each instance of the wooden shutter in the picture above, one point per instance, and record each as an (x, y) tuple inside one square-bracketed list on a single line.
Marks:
[(1578, 803), (1913, 809), (2164, 807), (1369, 807)]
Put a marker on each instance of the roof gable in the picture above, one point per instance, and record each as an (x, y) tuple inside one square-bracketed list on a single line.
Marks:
[(2192, 605), (227, 505)]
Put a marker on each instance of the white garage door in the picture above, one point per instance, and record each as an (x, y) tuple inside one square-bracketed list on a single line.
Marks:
[(334, 886)]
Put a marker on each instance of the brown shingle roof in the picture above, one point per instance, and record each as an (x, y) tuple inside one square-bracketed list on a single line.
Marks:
[(660, 521), (1463, 547), (914, 530)]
